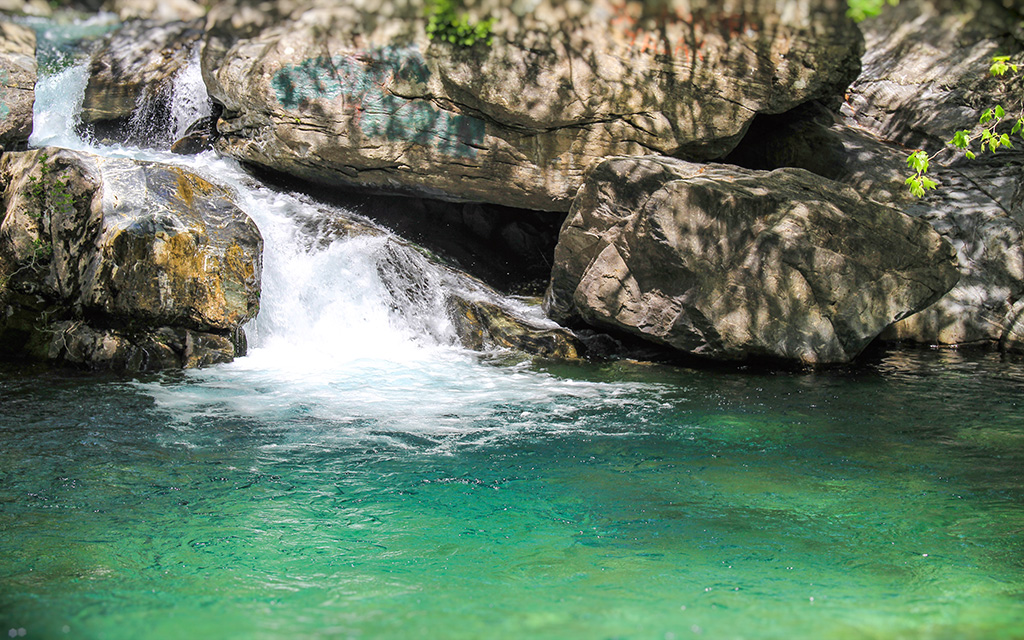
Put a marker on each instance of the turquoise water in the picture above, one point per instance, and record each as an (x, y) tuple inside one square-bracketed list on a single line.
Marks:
[(451, 497)]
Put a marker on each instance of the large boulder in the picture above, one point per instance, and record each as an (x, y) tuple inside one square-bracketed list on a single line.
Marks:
[(732, 264), (115, 263), (357, 93), (925, 76), (17, 84)]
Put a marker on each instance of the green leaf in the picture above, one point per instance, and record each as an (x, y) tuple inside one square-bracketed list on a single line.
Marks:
[(918, 161), (986, 116), (999, 111), (928, 183), (1000, 65), (1005, 141), (916, 187), (961, 139), (1017, 126), (970, 155)]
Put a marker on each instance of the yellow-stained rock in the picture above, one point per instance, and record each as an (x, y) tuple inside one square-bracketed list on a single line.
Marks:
[(122, 264)]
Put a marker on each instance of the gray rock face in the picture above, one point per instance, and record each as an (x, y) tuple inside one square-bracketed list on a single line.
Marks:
[(123, 264), (356, 93), (730, 264), (925, 69), (926, 76), (17, 84)]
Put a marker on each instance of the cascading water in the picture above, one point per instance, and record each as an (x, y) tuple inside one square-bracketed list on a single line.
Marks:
[(359, 475), (189, 100), (164, 112), (358, 323), (322, 299)]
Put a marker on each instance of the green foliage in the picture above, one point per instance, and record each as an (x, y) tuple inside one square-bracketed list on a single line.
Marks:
[(861, 9), (918, 181), (1000, 65), (53, 196), (990, 139), (446, 24)]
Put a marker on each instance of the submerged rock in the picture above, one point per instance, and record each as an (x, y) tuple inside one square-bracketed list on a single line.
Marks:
[(357, 93), (925, 76), (730, 264), (199, 137), (17, 84), (483, 324), (123, 264)]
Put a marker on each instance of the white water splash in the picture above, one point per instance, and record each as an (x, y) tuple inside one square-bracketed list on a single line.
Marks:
[(189, 98), (57, 110)]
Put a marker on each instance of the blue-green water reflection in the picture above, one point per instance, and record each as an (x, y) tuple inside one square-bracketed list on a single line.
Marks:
[(625, 501)]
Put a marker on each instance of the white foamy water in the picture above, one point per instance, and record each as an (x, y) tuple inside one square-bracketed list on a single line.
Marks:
[(190, 101), (58, 108)]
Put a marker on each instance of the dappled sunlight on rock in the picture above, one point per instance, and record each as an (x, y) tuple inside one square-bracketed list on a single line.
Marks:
[(342, 93), (728, 263)]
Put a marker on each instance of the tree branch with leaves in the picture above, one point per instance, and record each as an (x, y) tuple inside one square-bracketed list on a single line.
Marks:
[(989, 136)]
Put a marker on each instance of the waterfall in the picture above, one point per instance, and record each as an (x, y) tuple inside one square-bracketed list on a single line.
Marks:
[(58, 106), (189, 99), (323, 299), (353, 330), (164, 112)]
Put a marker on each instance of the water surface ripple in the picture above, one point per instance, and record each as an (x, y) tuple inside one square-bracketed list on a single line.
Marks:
[(458, 499)]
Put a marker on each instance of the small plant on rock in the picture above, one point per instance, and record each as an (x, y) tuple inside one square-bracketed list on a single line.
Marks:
[(446, 24), (41, 250), (862, 9), (52, 194)]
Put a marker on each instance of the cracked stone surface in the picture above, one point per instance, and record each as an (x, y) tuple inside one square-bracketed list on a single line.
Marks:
[(732, 264), (356, 93)]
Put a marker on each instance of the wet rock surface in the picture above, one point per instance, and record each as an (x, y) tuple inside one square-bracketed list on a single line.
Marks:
[(17, 84), (115, 263), (133, 77)]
